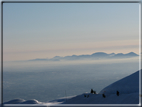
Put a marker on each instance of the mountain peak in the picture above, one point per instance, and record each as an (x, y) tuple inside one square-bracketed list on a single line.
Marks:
[(132, 53), (99, 54)]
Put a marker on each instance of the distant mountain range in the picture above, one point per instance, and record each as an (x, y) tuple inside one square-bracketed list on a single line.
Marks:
[(94, 56)]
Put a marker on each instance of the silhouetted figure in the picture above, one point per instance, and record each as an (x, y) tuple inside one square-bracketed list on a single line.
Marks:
[(92, 91), (87, 96), (117, 93), (84, 95), (103, 95)]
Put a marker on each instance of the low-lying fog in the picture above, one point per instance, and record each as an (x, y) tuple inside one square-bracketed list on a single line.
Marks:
[(48, 80)]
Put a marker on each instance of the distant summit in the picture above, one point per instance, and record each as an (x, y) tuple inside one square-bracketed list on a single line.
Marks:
[(121, 55), (131, 54), (100, 54), (94, 56)]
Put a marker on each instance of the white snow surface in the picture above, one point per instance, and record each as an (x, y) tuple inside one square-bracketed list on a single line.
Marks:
[(127, 85), (128, 88)]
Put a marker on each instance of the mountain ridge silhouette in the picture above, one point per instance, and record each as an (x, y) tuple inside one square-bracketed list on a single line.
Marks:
[(97, 55)]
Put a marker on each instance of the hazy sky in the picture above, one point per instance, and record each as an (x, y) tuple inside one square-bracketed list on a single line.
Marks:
[(45, 30)]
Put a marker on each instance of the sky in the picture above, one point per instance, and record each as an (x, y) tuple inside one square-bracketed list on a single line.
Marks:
[(45, 30)]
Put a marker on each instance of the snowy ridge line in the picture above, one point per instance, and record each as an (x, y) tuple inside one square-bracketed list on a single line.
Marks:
[(128, 88)]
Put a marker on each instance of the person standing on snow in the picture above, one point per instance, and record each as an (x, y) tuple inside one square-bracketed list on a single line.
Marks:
[(117, 93)]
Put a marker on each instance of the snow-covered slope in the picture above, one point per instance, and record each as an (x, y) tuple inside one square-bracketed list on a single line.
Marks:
[(129, 84), (127, 87)]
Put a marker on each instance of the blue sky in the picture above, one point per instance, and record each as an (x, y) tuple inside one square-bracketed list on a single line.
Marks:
[(45, 30)]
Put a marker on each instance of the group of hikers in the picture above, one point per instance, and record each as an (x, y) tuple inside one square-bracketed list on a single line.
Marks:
[(94, 92), (117, 93)]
